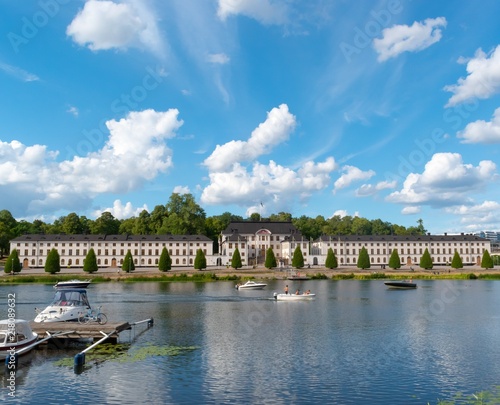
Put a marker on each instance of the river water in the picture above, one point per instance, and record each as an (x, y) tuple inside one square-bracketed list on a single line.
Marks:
[(357, 343)]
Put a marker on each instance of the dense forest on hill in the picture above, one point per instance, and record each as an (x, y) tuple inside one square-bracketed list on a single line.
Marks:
[(181, 215)]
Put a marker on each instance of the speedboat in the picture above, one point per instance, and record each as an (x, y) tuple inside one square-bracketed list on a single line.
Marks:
[(401, 284), (68, 305), (73, 284), (250, 285), (294, 297), (15, 334)]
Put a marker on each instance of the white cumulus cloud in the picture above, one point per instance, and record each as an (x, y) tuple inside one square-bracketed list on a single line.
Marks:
[(482, 81), (480, 217), (404, 38), (135, 152), (445, 181), (237, 178), (350, 175), (104, 24), (276, 129), (482, 131), (369, 189), (121, 211)]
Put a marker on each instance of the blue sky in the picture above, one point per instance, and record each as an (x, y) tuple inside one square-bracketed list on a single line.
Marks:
[(387, 109)]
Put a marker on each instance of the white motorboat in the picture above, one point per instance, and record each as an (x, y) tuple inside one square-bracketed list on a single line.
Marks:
[(401, 284), (294, 297), (15, 334), (250, 285), (68, 304), (73, 284)]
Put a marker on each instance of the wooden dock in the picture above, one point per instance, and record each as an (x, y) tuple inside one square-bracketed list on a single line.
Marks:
[(76, 330)]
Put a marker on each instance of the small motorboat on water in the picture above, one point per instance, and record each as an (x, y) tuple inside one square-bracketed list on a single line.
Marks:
[(15, 334), (250, 285), (73, 284), (294, 297), (68, 305), (401, 284)]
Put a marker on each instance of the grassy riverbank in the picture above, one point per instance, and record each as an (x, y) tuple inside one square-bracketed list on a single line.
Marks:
[(225, 274)]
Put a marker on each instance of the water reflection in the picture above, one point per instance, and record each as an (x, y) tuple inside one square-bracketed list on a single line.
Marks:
[(356, 343)]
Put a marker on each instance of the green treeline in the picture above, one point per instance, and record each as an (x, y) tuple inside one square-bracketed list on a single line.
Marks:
[(181, 215)]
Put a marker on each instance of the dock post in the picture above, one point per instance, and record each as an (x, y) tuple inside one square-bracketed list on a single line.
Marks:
[(80, 359)]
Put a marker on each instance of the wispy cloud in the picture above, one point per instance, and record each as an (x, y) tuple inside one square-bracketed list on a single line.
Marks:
[(18, 73)]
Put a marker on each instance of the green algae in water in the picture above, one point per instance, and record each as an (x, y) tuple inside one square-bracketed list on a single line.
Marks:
[(120, 353)]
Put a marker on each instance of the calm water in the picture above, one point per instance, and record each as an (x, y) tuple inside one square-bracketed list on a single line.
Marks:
[(357, 343)]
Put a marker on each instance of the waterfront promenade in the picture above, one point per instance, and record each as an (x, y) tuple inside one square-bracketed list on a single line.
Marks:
[(263, 273)]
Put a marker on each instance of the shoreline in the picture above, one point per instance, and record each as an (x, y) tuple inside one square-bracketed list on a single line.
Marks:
[(317, 272)]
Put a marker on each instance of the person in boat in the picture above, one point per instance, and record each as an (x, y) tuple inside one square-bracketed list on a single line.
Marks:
[(307, 292), (297, 292), (286, 289)]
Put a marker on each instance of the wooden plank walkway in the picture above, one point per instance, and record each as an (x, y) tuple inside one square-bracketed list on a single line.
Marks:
[(78, 331)]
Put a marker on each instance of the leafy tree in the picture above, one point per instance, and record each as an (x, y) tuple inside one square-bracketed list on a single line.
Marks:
[(361, 226), (486, 261), (90, 263), (380, 227), (331, 259), (200, 261), (255, 217), (127, 226), (281, 217), (52, 264), (7, 226), (71, 225), (363, 259), (184, 215), (236, 259), (270, 259), (216, 224), (13, 265), (142, 224), (165, 263), (310, 227), (426, 260), (394, 260), (128, 262), (456, 262), (298, 258), (106, 224)]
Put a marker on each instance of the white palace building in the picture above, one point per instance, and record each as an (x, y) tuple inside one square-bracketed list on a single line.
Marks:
[(252, 239)]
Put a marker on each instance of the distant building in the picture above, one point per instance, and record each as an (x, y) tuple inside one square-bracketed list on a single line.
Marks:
[(490, 235), (110, 250), (410, 248), (254, 238)]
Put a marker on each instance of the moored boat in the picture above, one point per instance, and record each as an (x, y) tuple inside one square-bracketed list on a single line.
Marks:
[(68, 304), (401, 284), (15, 334), (250, 285), (73, 284)]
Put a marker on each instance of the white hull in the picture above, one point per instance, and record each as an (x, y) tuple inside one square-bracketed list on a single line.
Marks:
[(73, 284), (13, 339), (294, 297), (68, 305), (55, 313), (251, 285)]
